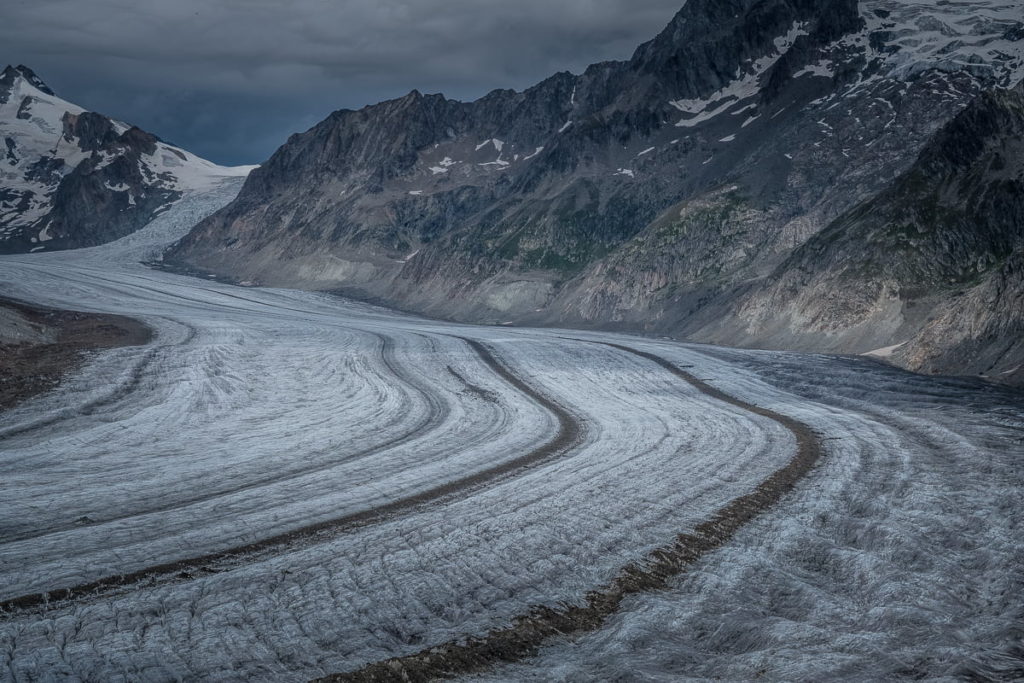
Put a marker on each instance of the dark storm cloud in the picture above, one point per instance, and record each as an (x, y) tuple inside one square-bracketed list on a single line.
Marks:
[(230, 79)]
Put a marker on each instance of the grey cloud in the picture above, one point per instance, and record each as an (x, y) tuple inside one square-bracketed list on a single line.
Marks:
[(230, 79)]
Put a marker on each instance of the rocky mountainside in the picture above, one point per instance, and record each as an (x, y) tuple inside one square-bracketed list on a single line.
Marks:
[(931, 269), (72, 178), (650, 194)]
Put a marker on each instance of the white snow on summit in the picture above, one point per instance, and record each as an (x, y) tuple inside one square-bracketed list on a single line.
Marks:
[(37, 155), (32, 121)]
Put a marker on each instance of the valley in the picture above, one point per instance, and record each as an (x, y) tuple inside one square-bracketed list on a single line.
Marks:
[(284, 485), (701, 362)]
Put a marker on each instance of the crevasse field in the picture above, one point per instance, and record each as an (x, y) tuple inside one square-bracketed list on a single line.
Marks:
[(291, 485)]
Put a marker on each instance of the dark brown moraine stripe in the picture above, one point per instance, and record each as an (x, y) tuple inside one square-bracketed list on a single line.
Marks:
[(567, 436), (529, 631), (28, 369)]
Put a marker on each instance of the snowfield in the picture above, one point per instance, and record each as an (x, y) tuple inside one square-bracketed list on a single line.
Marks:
[(285, 485)]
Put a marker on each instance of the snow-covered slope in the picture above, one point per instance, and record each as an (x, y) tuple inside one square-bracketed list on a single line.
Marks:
[(980, 36), (72, 178), (897, 42)]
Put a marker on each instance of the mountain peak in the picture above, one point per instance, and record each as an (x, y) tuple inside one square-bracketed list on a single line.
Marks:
[(74, 178), (13, 72)]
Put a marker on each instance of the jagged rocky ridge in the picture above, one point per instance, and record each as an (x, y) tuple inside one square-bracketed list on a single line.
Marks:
[(649, 194), (73, 178)]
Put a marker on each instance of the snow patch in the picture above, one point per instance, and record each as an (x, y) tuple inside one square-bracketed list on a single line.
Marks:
[(821, 69), (746, 84), (885, 351), (498, 144)]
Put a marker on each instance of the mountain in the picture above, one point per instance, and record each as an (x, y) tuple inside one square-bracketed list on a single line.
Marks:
[(651, 194), (72, 178), (931, 269)]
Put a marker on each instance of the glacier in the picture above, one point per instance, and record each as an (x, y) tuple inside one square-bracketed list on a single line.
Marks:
[(304, 485)]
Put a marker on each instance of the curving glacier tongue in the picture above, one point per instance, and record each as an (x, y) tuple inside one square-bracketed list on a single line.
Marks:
[(287, 484)]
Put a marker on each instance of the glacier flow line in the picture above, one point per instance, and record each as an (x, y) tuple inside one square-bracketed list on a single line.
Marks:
[(529, 631), (434, 418), (568, 435)]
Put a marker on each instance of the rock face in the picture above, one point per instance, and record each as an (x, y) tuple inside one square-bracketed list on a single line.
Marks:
[(71, 178), (652, 194), (933, 265)]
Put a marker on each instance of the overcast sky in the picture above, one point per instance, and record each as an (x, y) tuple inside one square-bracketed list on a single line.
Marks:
[(231, 79)]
